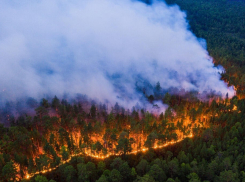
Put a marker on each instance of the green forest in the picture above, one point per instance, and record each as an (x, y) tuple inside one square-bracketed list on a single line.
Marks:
[(221, 24), (192, 141)]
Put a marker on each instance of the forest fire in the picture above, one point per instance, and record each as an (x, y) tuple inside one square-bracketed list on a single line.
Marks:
[(143, 76), (50, 141), (28, 176)]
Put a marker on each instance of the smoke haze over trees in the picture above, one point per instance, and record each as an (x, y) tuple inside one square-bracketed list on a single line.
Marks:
[(103, 49)]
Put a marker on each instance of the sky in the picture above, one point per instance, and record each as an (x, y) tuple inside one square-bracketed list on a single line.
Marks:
[(101, 48)]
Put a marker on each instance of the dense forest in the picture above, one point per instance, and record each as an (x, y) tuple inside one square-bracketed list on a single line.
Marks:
[(221, 24), (194, 140)]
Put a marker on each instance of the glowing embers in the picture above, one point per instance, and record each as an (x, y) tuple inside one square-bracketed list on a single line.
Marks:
[(27, 176)]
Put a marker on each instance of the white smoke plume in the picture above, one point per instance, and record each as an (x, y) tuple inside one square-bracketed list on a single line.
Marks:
[(100, 48)]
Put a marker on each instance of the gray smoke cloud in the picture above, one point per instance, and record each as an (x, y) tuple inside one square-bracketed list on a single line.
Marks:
[(100, 48)]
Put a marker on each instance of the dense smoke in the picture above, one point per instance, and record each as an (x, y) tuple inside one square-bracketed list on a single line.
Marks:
[(107, 49)]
